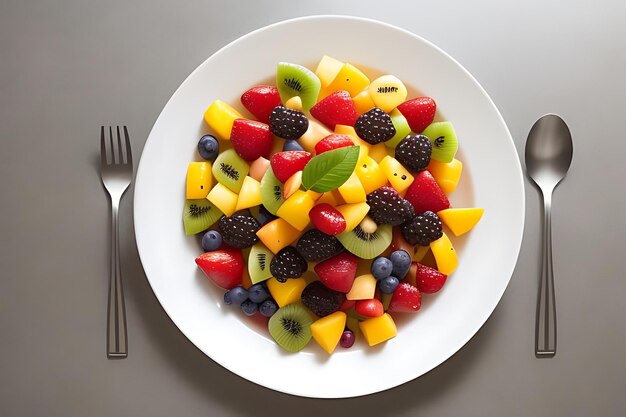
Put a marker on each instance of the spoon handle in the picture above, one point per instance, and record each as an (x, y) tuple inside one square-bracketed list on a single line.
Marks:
[(545, 336)]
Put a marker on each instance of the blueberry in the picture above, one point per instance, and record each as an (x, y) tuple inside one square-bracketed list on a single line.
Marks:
[(238, 295), (211, 240), (249, 308), (401, 261), (381, 267), (268, 307), (264, 215), (258, 293), (208, 148), (292, 145), (227, 298), (388, 285)]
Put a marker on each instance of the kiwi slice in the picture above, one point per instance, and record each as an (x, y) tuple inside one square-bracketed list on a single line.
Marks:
[(402, 128), (271, 191), (367, 245), (199, 215), (443, 138), (229, 169), (259, 263), (295, 80), (290, 327)]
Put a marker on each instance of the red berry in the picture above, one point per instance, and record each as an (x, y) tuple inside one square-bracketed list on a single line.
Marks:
[(251, 139), (260, 101), (338, 272), (419, 112), (424, 194), (327, 219), (347, 305), (405, 299), (334, 141), (285, 164), (369, 308), (347, 339), (336, 109), (224, 267), (428, 280)]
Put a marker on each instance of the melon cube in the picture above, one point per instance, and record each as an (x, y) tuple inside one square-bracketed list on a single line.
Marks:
[(445, 255), (258, 168), (350, 79), (285, 293), (461, 220), (314, 134), (223, 198), (370, 175), (199, 180), (278, 234), (352, 190), (447, 175), (295, 209), (397, 175), (220, 117), (250, 194), (327, 331), (353, 214), (327, 69), (378, 329), (363, 288)]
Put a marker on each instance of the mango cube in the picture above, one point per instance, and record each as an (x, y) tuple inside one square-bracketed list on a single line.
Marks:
[(378, 329), (397, 175), (352, 190), (370, 175), (223, 198), (220, 117), (353, 214), (363, 102), (295, 209), (447, 175), (199, 180), (285, 293), (363, 288), (461, 220), (350, 79), (277, 234), (327, 331), (445, 255), (250, 194)]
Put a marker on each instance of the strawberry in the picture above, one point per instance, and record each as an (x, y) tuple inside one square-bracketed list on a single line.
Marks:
[(347, 305), (224, 267), (369, 308), (336, 109), (285, 164), (405, 299), (334, 141), (251, 139), (428, 280), (327, 219), (419, 112), (260, 101), (338, 272), (424, 194)]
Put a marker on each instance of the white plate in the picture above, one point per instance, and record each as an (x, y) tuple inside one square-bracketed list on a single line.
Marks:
[(492, 179)]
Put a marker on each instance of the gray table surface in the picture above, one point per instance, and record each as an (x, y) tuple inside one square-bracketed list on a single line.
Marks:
[(67, 67)]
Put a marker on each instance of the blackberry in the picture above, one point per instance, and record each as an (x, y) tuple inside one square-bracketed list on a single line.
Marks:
[(414, 152), (315, 245), (239, 230), (288, 263), (422, 229), (374, 126), (288, 123), (386, 206), (321, 300)]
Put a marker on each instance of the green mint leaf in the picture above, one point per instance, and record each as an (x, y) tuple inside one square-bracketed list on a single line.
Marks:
[(331, 169)]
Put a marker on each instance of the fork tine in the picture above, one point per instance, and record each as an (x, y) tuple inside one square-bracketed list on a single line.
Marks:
[(103, 148), (120, 155), (129, 153), (112, 153)]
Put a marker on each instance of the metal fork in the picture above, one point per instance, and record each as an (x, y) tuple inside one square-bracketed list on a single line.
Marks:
[(116, 172)]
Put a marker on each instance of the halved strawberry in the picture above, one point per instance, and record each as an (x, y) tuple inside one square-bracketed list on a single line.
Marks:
[(419, 112), (336, 109), (424, 194), (428, 280), (338, 272), (260, 101), (334, 141), (327, 219), (369, 308), (405, 299), (224, 267), (285, 164), (251, 139)]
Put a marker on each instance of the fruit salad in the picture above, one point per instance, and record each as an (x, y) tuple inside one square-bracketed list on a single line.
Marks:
[(323, 204)]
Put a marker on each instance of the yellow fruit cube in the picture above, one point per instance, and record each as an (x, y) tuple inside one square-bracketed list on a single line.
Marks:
[(314, 195), (314, 134), (378, 329), (223, 198), (295, 209), (250, 194), (363, 102), (387, 92), (327, 70), (328, 330), (447, 175), (363, 288), (331, 197), (277, 234), (294, 103), (352, 190), (350, 79), (445, 255), (397, 175), (370, 174), (220, 117), (199, 180), (285, 293), (353, 214), (378, 152), (461, 220)]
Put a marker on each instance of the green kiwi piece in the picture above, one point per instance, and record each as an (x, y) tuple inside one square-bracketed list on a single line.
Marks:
[(259, 263), (443, 137), (366, 245), (229, 169), (199, 215), (402, 128), (271, 191), (290, 327), (295, 80)]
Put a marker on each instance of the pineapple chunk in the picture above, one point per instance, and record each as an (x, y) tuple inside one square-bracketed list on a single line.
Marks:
[(220, 117), (378, 329), (199, 180), (277, 234), (295, 210), (285, 293), (353, 214), (327, 331), (397, 175), (223, 198), (461, 220), (352, 190)]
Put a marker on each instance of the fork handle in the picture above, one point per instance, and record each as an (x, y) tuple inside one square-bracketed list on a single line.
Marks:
[(117, 344), (545, 337)]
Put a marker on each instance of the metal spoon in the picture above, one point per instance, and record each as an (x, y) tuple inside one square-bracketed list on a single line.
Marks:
[(549, 152)]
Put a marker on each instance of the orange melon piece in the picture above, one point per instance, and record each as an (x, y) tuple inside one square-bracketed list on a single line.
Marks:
[(295, 209), (285, 293), (327, 331), (277, 234), (447, 175), (378, 329), (461, 220)]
